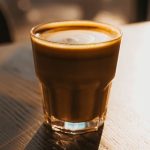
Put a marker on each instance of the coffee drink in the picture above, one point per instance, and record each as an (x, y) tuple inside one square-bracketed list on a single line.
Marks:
[(75, 62)]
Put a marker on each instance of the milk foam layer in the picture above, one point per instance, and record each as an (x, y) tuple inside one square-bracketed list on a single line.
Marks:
[(76, 36)]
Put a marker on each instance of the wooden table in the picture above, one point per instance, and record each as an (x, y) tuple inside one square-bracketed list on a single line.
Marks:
[(127, 126)]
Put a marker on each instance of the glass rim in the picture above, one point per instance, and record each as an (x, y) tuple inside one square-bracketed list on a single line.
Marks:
[(81, 23)]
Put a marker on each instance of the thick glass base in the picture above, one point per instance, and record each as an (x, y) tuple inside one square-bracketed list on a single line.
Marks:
[(75, 128)]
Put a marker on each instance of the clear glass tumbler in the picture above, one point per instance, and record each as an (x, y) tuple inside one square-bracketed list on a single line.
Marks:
[(75, 78)]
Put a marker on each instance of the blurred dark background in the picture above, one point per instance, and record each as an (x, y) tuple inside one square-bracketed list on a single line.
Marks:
[(18, 16)]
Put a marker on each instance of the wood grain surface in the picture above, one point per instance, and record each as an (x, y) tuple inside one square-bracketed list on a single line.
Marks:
[(127, 126)]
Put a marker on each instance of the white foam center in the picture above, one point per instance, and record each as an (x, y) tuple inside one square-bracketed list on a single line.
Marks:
[(76, 36)]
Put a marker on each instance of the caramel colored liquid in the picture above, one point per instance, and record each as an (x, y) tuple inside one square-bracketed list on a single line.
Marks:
[(75, 77)]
